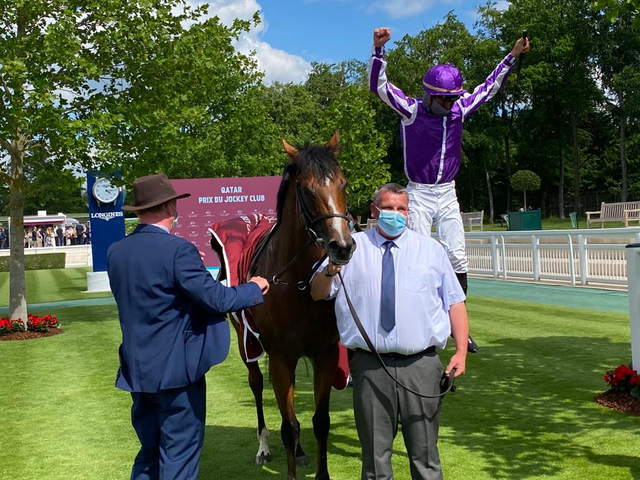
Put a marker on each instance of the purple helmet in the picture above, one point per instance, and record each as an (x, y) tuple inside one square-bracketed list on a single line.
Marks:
[(443, 80)]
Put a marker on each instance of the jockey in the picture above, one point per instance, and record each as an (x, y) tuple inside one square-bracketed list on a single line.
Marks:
[(431, 135)]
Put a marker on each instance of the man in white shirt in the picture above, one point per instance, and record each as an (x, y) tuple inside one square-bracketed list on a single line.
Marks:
[(409, 301)]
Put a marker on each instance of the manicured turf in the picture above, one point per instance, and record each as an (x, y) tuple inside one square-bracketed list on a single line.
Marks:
[(525, 409), (51, 285), (552, 223)]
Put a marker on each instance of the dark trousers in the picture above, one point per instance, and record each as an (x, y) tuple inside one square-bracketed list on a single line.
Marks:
[(379, 404), (170, 426)]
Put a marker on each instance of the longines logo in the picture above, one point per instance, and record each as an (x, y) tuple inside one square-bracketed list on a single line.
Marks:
[(106, 216), (193, 215), (193, 224), (194, 234)]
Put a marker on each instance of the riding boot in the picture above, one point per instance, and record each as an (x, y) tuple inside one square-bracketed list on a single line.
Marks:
[(472, 347)]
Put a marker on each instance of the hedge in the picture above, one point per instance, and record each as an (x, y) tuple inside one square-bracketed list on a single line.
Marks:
[(38, 261)]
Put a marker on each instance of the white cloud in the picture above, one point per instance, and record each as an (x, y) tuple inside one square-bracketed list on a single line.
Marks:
[(278, 65), (404, 8), (501, 6)]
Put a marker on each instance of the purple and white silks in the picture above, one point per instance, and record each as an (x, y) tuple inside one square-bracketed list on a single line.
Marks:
[(431, 143)]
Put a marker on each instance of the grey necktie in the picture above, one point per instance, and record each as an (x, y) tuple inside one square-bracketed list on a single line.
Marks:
[(388, 293)]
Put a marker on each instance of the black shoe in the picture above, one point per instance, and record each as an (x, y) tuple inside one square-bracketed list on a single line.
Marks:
[(472, 347)]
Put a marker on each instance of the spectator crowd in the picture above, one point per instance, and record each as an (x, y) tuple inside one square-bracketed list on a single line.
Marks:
[(51, 235)]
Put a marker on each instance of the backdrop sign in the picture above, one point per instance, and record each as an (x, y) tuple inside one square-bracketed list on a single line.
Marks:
[(107, 225), (213, 200)]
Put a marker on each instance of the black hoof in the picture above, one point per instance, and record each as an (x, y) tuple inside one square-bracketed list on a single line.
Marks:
[(323, 476), (302, 461), (262, 459)]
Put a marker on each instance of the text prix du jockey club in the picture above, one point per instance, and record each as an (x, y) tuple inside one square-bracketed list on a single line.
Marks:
[(231, 198)]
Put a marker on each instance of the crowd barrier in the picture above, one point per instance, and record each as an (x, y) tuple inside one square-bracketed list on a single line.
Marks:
[(588, 256)]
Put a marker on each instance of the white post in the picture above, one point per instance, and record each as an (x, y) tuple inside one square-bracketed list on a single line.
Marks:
[(584, 264), (504, 258), (535, 256), (572, 267), (633, 274), (494, 255)]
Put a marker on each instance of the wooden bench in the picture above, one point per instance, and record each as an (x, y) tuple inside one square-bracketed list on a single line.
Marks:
[(615, 212), (472, 219)]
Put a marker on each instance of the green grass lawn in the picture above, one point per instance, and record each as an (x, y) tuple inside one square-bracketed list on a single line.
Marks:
[(551, 223), (524, 410), (52, 285)]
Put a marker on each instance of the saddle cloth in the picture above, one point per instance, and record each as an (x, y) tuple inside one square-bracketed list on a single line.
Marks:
[(235, 241)]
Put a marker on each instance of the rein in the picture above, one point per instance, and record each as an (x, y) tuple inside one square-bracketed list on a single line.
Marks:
[(309, 222), (447, 382)]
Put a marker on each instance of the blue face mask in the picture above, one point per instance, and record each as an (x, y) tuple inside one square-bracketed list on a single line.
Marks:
[(392, 223)]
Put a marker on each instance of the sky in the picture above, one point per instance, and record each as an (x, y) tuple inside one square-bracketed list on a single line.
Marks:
[(294, 33)]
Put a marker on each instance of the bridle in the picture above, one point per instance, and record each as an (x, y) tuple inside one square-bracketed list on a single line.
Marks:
[(309, 222)]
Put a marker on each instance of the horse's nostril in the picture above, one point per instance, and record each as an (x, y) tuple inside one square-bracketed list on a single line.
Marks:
[(340, 249)]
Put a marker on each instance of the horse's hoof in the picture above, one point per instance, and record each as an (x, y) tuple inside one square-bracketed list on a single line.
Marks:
[(323, 476), (262, 459), (301, 461)]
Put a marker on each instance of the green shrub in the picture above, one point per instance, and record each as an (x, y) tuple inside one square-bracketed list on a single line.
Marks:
[(39, 261)]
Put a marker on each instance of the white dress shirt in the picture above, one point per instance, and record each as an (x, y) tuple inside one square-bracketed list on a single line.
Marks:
[(426, 286)]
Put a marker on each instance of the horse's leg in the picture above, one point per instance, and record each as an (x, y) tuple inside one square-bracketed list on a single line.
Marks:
[(256, 383), (324, 371), (282, 372)]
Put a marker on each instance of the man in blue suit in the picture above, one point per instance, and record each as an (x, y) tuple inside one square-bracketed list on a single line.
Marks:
[(172, 315)]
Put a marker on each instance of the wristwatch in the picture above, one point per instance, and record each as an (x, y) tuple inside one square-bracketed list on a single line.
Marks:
[(325, 272)]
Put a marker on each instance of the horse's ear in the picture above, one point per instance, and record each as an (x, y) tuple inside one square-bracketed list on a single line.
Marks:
[(291, 151), (333, 143)]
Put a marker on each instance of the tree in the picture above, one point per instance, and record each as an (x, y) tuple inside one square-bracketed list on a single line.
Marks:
[(524, 180), (48, 188), (109, 83), (614, 9), (362, 146)]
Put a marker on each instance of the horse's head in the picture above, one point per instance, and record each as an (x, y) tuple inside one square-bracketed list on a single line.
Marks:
[(322, 198)]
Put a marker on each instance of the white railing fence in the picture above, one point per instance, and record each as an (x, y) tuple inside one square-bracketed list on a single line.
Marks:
[(577, 256)]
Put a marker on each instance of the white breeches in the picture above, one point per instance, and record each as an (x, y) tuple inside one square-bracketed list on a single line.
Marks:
[(438, 205)]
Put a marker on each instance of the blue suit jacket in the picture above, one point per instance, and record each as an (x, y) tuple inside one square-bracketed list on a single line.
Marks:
[(172, 312)]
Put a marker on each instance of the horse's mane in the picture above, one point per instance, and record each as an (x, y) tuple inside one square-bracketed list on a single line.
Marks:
[(317, 160)]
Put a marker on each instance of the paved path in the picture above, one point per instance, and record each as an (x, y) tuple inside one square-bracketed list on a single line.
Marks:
[(578, 297)]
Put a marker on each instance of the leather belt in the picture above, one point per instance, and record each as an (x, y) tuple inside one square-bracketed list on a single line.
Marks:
[(400, 356)]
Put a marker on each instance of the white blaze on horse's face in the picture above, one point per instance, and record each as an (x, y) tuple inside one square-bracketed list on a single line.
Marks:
[(337, 223)]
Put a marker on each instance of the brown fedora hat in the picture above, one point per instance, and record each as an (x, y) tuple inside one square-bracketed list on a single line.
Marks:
[(152, 190)]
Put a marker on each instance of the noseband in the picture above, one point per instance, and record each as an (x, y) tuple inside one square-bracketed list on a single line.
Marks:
[(314, 238)]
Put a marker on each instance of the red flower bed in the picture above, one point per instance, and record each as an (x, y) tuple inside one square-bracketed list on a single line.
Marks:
[(35, 323), (624, 378), (624, 392)]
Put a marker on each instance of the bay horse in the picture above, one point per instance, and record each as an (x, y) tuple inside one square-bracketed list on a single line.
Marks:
[(312, 221)]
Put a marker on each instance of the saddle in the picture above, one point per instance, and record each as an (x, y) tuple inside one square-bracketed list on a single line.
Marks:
[(237, 242)]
